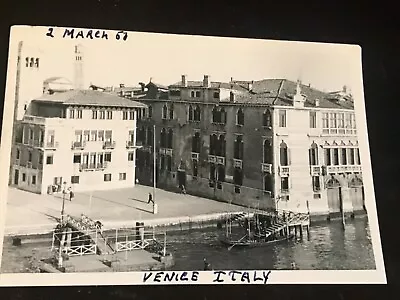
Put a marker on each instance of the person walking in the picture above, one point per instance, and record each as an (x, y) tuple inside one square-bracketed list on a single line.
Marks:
[(150, 199), (71, 194)]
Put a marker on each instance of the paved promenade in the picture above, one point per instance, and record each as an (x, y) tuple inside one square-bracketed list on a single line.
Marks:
[(29, 213)]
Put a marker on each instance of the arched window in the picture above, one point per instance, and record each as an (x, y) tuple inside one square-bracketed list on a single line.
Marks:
[(163, 140), (268, 182), (213, 144), (223, 116), (356, 182), (164, 111), (267, 118), (238, 148), (149, 136), (328, 159), (351, 156), (171, 112), (313, 154), (170, 138), (142, 135), (343, 154), (196, 143), (150, 111), (267, 152), (332, 183), (216, 115), (197, 113), (190, 113), (221, 146), (284, 157), (335, 156), (221, 173), (240, 117)]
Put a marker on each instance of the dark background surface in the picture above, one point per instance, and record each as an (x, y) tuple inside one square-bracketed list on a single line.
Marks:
[(374, 27)]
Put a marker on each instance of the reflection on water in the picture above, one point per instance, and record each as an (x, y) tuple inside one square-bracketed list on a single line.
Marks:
[(328, 247)]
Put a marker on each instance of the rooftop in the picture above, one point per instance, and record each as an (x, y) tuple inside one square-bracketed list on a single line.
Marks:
[(89, 97)]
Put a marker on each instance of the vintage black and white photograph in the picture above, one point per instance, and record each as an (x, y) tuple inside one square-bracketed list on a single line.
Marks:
[(134, 152)]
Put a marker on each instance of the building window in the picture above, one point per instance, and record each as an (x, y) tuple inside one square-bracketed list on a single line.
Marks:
[(23, 177), (285, 184), (313, 119), (267, 118), (340, 120), (30, 133), (358, 159), (149, 136), (139, 114), (212, 174), (284, 155), (77, 158), (150, 111), (313, 154), (268, 182), (170, 139), (335, 156), (102, 114), (221, 175), (344, 156), (72, 114), (94, 114), (175, 93), (122, 176), (107, 177), (109, 114), (171, 112), (238, 147), (238, 176), (107, 157), (40, 158), (325, 120), (221, 146), (197, 113), (190, 113), (196, 142), (86, 135), (30, 156), (75, 179), (18, 154), (218, 115), (216, 95), (351, 156), (33, 179), (240, 117), (164, 112), (49, 159), (328, 160), (195, 94), (79, 113), (131, 156), (169, 163), (213, 144), (267, 157), (316, 183), (195, 167), (93, 135), (124, 115), (163, 138), (132, 115), (282, 118)]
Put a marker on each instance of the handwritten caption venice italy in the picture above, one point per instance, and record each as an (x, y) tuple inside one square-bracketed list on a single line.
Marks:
[(260, 277)]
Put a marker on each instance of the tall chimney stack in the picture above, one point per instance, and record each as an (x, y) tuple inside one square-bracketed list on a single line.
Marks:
[(184, 82), (206, 81)]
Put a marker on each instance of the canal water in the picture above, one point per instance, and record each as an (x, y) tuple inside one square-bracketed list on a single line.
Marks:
[(328, 247)]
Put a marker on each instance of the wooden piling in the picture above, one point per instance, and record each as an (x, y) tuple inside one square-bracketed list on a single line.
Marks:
[(295, 230), (301, 230)]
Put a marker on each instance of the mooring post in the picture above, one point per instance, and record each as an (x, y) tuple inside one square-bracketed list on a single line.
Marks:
[(165, 244)]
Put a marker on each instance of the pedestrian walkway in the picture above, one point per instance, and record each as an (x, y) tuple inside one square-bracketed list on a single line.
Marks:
[(29, 213)]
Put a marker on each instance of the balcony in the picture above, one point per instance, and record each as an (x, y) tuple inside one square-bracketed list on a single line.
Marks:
[(132, 145), (78, 145), (343, 169), (338, 131), (284, 171), (216, 159), (237, 163), (109, 145), (51, 146), (168, 152), (266, 168), (92, 167), (315, 170)]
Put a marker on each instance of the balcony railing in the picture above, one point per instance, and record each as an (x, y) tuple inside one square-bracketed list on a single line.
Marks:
[(195, 155), (216, 159), (266, 168), (131, 144), (109, 145), (237, 163), (343, 169), (315, 170), (339, 131), (51, 146), (284, 171), (78, 145), (93, 167)]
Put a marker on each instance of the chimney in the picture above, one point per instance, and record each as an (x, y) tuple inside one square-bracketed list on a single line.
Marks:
[(231, 79), (184, 82), (142, 85), (250, 85), (309, 85), (316, 102), (206, 81), (344, 89), (121, 85)]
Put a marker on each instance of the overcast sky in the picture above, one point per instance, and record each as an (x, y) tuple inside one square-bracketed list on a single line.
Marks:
[(166, 57)]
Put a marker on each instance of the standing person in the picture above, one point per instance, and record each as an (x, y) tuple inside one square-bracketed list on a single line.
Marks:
[(71, 194), (150, 199)]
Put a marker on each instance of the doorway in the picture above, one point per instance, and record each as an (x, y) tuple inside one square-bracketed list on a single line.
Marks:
[(16, 177), (181, 178)]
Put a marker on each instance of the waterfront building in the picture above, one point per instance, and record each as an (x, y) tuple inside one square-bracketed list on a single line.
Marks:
[(267, 143), (83, 138)]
